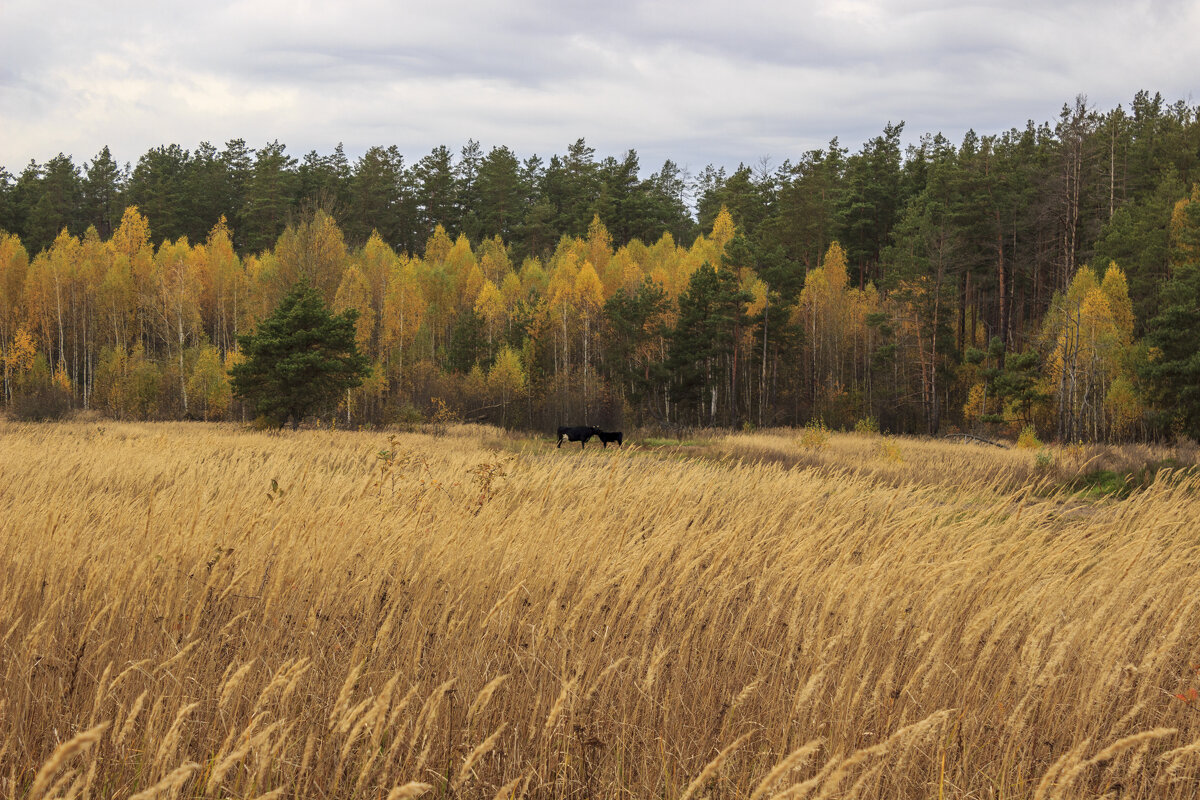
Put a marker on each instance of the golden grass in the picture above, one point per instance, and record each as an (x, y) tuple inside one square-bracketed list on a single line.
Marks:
[(193, 610)]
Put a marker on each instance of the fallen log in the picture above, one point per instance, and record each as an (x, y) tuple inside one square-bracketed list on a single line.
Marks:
[(976, 438)]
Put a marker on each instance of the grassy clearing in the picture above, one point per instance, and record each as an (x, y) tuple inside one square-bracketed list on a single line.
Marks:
[(200, 611)]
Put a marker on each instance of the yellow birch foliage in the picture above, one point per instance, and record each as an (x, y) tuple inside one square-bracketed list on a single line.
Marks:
[(1091, 329), (489, 305), (973, 409), (613, 275), (1063, 324), (61, 379), (1124, 407), (132, 240), (377, 261), (1182, 251), (1084, 281), (208, 385), (493, 259), (631, 272), (662, 261), (599, 245), (176, 295), (437, 247), (14, 264), (470, 283), (404, 307), (510, 291), (314, 250), (464, 271), (263, 286), (664, 279), (507, 375), (95, 257), (835, 267), (226, 286), (723, 231), (1099, 333), (40, 300), (21, 351), (589, 292), (132, 236), (560, 292), (1116, 289), (812, 298), (232, 359), (115, 301), (372, 391), (821, 310), (355, 293), (834, 318), (533, 277), (439, 293)]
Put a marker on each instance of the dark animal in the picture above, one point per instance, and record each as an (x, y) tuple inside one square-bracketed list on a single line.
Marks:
[(580, 433), (611, 436)]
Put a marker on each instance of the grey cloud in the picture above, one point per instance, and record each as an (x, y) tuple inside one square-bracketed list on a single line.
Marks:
[(696, 82)]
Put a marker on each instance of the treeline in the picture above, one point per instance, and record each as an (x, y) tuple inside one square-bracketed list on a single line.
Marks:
[(1044, 276), (529, 203)]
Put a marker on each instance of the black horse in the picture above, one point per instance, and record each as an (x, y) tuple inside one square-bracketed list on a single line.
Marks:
[(611, 436), (579, 434)]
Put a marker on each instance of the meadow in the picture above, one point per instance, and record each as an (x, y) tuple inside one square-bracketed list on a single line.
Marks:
[(203, 611)]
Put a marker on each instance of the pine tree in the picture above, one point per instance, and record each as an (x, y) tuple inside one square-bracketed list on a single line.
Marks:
[(704, 344), (1173, 367), (500, 192), (375, 197), (101, 193), (634, 321), (159, 186), (300, 359), (435, 193), (270, 195)]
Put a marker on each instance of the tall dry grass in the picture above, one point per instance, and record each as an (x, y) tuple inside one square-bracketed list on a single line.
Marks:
[(200, 611)]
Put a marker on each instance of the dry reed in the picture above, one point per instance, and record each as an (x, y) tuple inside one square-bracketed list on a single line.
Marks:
[(197, 610)]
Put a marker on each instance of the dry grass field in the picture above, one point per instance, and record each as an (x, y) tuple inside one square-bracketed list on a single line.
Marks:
[(200, 611)]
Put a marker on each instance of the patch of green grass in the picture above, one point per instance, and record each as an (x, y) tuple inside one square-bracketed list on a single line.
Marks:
[(1120, 485), (1103, 483)]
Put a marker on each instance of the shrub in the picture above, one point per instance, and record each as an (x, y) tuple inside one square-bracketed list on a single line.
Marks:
[(1028, 439), (208, 386), (408, 417), (39, 395), (815, 435), (263, 423), (889, 450), (128, 385), (442, 417), (867, 425)]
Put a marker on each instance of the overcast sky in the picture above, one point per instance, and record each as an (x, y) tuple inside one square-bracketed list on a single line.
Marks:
[(698, 82)]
